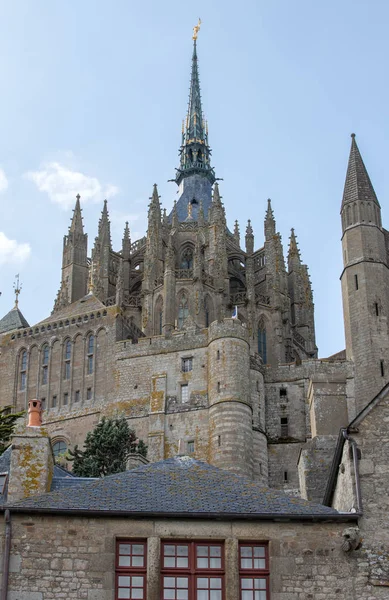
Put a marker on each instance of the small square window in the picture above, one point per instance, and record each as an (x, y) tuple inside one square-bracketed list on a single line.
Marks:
[(186, 365), (283, 392), (190, 446), (89, 393), (77, 396), (184, 393)]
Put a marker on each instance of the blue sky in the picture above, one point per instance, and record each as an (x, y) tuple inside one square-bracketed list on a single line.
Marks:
[(93, 94)]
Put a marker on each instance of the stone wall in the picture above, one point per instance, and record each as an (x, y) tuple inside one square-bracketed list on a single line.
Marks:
[(74, 558)]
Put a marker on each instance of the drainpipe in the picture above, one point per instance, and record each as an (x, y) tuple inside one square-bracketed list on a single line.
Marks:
[(7, 549), (354, 447)]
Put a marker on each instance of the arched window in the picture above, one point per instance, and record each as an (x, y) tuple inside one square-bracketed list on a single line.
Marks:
[(158, 316), (90, 354), (262, 350), (183, 310), (67, 356), (59, 447), (23, 370), (45, 363), (187, 259)]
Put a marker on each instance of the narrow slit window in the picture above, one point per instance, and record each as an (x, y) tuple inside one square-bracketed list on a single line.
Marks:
[(356, 282), (284, 427), (382, 367), (218, 386), (377, 311), (285, 476)]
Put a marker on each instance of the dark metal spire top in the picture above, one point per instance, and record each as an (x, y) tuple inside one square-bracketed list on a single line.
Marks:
[(195, 151)]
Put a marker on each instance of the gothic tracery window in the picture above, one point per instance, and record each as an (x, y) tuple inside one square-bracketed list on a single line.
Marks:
[(262, 349), (90, 354), (23, 370), (183, 310), (45, 363), (187, 259)]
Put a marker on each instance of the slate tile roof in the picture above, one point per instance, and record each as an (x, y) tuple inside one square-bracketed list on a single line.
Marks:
[(174, 487), (13, 320), (79, 307)]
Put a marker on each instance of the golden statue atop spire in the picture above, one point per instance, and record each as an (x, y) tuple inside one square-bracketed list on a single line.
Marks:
[(18, 289), (196, 30)]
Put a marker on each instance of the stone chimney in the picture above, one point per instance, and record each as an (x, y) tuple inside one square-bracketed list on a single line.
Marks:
[(32, 462)]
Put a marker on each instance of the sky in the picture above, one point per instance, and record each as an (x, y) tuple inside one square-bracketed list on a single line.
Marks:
[(94, 92)]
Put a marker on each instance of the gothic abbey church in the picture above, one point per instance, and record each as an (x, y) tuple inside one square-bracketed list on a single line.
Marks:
[(150, 331)]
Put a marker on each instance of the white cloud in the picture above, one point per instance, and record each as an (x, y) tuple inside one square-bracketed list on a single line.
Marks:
[(12, 252), (62, 184), (3, 181)]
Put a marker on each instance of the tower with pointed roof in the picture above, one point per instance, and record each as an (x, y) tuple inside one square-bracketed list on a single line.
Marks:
[(365, 281), (74, 261)]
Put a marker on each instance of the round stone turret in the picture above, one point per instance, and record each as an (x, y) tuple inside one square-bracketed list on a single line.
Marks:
[(230, 413)]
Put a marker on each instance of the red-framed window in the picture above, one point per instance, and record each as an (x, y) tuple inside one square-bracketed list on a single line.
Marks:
[(254, 571), (192, 570), (131, 569)]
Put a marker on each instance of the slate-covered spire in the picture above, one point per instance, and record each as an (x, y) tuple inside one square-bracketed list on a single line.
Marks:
[(105, 227), (358, 186), (294, 259)]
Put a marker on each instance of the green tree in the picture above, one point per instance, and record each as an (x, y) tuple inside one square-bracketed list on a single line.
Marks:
[(106, 449), (7, 425)]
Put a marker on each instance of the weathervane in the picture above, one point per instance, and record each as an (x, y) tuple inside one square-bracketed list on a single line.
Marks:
[(196, 30), (17, 289)]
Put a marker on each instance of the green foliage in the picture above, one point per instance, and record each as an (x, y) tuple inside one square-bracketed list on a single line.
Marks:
[(106, 449), (7, 425)]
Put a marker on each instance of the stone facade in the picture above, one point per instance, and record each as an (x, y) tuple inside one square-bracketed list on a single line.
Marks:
[(146, 331), (74, 558)]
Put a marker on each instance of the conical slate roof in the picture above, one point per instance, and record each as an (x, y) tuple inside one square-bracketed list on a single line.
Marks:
[(358, 185), (13, 320), (180, 486)]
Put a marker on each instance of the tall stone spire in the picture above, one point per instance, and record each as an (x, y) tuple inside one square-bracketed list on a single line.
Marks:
[(294, 259), (358, 186), (105, 227), (74, 262), (76, 226), (195, 176), (270, 223)]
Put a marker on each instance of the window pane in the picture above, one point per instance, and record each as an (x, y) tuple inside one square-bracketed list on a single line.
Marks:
[(202, 595), (168, 581), (259, 595), (247, 595), (216, 595), (259, 551), (215, 583), (137, 561), (138, 549), (169, 550), (137, 581), (260, 584), (168, 562), (259, 563), (246, 563), (137, 593), (215, 551), (182, 550), (182, 582), (215, 563), (182, 594), (182, 563), (168, 594), (202, 582), (202, 550), (124, 561), (202, 563), (123, 593), (246, 584), (124, 581), (246, 551)]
